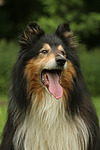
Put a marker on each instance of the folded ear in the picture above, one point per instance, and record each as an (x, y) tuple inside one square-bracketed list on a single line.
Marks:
[(32, 32), (65, 33)]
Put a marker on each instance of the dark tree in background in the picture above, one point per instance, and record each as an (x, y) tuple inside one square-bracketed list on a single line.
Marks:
[(15, 14), (83, 16)]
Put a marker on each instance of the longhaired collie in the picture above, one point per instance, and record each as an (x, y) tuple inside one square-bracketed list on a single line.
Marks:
[(49, 105)]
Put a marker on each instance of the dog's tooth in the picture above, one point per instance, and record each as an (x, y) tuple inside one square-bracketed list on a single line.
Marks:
[(45, 76)]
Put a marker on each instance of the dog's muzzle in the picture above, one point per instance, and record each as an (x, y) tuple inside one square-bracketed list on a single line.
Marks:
[(51, 75), (60, 60)]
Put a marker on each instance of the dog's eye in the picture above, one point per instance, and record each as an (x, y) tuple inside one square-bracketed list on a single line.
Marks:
[(44, 51), (63, 53)]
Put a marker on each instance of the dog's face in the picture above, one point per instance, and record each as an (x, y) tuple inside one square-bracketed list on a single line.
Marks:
[(48, 67), (54, 62)]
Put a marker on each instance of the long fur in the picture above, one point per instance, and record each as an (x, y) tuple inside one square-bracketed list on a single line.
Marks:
[(36, 120)]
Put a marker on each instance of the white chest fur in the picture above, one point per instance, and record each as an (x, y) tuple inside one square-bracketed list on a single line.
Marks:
[(48, 127)]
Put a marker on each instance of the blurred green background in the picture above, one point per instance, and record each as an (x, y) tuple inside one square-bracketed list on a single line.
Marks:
[(84, 19)]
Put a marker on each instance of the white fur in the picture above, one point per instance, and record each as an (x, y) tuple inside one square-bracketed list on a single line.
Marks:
[(52, 64), (48, 127)]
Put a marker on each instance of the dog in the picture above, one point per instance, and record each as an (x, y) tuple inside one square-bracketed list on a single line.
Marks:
[(49, 104)]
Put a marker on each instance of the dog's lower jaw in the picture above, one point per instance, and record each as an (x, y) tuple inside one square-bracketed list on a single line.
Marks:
[(47, 127)]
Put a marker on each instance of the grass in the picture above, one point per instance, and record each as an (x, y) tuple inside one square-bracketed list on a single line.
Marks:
[(90, 66), (3, 117), (96, 102), (3, 111)]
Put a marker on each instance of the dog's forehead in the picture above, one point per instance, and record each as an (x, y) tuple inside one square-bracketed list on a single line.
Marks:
[(52, 42), (58, 47)]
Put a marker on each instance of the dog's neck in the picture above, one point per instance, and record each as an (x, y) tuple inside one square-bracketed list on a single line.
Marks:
[(47, 126)]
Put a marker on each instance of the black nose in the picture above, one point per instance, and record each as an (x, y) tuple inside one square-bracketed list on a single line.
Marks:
[(60, 60)]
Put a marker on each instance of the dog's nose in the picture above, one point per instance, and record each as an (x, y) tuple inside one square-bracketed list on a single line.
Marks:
[(60, 60)]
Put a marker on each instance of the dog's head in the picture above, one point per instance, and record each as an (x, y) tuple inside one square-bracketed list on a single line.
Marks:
[(49, 60)]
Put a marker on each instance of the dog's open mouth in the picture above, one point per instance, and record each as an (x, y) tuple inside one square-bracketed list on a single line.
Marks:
[(51, 79)]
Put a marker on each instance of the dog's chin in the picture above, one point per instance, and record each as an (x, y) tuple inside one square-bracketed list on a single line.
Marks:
[(51, 80)]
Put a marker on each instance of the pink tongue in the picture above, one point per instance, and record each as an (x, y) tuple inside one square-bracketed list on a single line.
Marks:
[(54, 85)]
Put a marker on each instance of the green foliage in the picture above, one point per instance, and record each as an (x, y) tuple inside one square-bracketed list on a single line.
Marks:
[(83, 22), (83, 17), (96, 102), (90, 65), (3, 116), (8, 52)]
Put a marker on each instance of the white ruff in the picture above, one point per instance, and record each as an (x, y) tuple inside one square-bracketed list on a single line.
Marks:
[(48, 127)]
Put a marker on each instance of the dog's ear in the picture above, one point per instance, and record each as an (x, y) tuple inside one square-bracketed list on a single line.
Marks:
[(63, 28), (32, 32), (65, 33)]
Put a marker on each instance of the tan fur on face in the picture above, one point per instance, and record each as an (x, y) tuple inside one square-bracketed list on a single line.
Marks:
[(67, 77), (60, 48), (33, 74), (46, 47)]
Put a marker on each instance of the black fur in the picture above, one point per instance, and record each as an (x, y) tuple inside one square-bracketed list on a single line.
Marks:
[(79, 99)]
